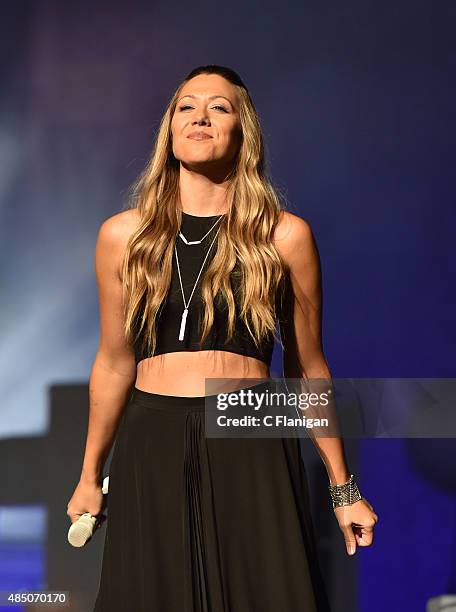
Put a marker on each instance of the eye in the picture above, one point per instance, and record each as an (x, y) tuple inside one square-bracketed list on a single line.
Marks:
[(183, 107)]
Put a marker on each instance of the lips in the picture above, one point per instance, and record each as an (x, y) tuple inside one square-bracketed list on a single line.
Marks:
[(199, 136)]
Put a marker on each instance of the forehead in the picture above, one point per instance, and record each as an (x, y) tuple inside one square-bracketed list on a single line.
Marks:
[(209, 86)]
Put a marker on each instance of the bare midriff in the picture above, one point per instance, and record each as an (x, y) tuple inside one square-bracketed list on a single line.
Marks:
[(186, 373)]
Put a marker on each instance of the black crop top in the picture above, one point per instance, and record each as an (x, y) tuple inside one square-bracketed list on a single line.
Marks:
[(169, 316)]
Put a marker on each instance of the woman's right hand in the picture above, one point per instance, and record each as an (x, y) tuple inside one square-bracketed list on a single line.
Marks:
[(87, 497)]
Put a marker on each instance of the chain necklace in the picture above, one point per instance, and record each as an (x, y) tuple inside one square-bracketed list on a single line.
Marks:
[(187, 304), (181, 235)]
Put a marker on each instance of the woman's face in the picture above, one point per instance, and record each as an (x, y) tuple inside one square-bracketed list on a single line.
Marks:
[(207, 103)]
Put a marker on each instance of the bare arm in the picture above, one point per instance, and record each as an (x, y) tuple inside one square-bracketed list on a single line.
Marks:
[(114, 371), (301, 330), (304, 359)]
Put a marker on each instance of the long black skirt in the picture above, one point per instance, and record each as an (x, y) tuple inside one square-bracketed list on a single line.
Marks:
[(204, 524)]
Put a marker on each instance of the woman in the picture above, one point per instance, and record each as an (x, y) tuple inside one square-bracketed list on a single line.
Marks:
[(190, 281)]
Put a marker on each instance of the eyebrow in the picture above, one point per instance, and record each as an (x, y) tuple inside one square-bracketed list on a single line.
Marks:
[(210, 98)]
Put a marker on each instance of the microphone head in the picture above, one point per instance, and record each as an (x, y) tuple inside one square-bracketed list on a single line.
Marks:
[(81, 530)]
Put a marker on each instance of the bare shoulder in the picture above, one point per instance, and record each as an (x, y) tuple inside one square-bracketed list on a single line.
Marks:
[(118, 228), (114, 234), (293, 236)]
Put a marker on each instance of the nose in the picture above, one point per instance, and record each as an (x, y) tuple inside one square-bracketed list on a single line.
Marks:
[(200, 120)]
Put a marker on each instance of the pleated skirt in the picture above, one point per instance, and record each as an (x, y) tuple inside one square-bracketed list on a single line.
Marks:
[(204, 524)]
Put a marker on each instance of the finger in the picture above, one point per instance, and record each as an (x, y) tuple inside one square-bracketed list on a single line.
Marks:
[(364, 535), (374, 515), (74, 517), (364, 539), (368, 522), (350, 540)]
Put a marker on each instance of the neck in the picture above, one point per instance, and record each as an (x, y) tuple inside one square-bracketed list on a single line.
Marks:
[(200, 195)]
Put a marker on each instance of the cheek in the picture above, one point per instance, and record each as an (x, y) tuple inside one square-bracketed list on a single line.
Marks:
[(177, 122), (228, 135), (232, 138), (174, 127)]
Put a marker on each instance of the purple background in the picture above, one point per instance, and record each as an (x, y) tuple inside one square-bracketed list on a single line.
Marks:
[(357, 105)]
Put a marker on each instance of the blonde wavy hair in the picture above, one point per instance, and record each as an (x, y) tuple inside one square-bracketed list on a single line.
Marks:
[(245, 234)]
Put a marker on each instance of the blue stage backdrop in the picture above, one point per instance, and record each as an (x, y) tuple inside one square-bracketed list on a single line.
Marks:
[(357, 104)]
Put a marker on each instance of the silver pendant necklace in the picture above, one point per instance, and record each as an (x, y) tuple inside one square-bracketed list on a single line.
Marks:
[(187, 304), (184, 239)]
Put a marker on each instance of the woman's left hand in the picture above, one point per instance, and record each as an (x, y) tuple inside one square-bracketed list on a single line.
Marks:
[(357, 523)]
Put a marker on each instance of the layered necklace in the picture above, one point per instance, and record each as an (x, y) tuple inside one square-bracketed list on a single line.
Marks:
[(190, 243)]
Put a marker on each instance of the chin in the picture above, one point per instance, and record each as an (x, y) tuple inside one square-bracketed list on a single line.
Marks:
[(194, 161)]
